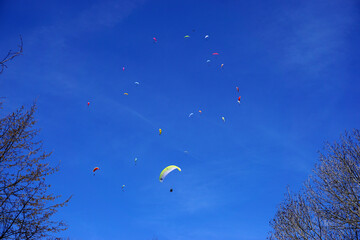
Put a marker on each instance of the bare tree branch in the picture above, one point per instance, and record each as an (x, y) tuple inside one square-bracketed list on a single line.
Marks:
[(11, 55)]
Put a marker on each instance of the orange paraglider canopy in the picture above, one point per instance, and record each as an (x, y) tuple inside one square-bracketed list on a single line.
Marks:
[(95, 169), (237, 89)]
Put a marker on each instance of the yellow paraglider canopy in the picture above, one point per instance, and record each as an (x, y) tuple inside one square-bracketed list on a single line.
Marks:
[(166, 171)]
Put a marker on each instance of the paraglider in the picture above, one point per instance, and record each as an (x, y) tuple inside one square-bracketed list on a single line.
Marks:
[(135, 160), (137, 83), (215, 53), (126, 93), (123, 68), (95, 169), (223, 119), (123, 187), (237, 89), (200, 111), (186, 36), (166, 171), (88, 103), (206, 36), (191, 114), (221, 65), (239, 99), (208, 61), (160, 131), (155, 40), (171, 190)]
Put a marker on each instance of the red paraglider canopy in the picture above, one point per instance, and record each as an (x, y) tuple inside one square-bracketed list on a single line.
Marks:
[(95, 169)]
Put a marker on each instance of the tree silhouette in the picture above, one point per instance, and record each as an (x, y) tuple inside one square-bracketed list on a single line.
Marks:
[(328, 206), (26, 207)]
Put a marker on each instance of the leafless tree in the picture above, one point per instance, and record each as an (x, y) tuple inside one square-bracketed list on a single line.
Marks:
[(335, 185), (328, 207), (26, 207), (295, 219), (11, 55)]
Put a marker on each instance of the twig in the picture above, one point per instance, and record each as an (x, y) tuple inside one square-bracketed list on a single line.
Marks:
[(10, 55)]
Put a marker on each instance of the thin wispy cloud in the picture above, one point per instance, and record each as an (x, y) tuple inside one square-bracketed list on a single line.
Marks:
[(125, 109), (309, 39), (93, 18), (47, 46), (106, 13)]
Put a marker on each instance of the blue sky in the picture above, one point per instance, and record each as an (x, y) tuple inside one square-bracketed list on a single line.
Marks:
[(296, 64)]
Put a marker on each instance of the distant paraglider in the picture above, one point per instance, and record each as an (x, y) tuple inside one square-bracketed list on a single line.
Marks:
[(237, 89), (166, 171), (137, 83), (186, 36), (160, 131), (223, 119), (88, 103), (135, 161), (191, 114), (155, 40), (123, 188), (126, 93), (206, 36), (95, 169), (215, 53), (123, 68), (239, 99), (221, 65)]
